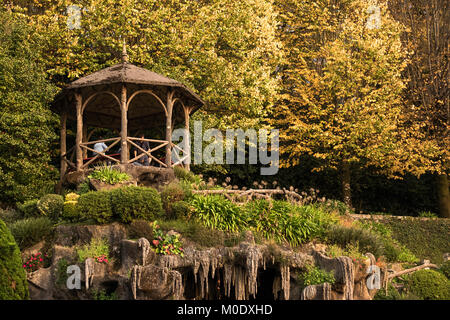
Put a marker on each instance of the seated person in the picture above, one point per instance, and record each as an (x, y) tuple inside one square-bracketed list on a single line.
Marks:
[(144, 160), (100, 147)]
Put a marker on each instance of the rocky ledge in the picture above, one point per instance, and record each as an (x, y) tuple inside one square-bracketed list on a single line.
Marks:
[(245, 271)]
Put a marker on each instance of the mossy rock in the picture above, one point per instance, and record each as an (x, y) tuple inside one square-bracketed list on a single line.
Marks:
[(13, 279)]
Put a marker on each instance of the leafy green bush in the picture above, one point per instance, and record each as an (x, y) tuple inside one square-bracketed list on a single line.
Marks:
[(428, 214), (181, 209), (109, 175), (131, 203), (445, 269), (96, 248), (10, 216), (103, 295), (282, 221), (29, 208), (31, 230), (183, 174), (314, 275), (215, 211), (335, 206), (196, 232), (13, 280), (367, 241), (84, 187), (51, 205), (61, 272), (169, 194), (429, 285), (71, 211), (96, 205), (140, 229)]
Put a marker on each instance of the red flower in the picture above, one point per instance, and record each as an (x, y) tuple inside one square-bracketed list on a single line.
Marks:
[(155, 243)]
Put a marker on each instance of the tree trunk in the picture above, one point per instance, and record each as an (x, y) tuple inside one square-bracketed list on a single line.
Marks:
[(346, 189), (444, 196)]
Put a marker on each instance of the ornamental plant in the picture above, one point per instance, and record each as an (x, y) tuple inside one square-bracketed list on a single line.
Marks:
[(35, 262), (166, 244)]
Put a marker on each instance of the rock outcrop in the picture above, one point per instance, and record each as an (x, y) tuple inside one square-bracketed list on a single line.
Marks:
[(245, 271)]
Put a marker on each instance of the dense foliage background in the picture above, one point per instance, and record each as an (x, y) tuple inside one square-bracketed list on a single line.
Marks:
[(363, 109)]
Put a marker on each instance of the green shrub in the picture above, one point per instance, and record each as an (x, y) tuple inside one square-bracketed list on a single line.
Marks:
[(335, 206), (96, 248), (84, 187), (217, 212), (367, 241), (109, 175), (183, 174), (281, 221), (169, 194), (13, 280), (96, 205), (29, 208), (181, 209), (445, 269), (61, 272), (429, 285), (131, 203), (392, 294), (51, 205), (71, 211), (428, 214), (10, 216), (140, 229), (30, 231), (314, 275), (196, 232), (103, 295)]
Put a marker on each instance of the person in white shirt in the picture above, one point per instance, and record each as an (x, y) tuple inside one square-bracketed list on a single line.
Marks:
[(100, 147)]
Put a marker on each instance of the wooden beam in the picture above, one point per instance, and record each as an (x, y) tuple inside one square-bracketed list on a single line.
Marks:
[(124, 132), (187, 111), (169, 128), (79, 136)]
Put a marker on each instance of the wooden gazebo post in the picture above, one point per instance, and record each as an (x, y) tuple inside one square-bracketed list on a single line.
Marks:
[(187, 111), (124, 111), (169, 106), (79, 136), (124, 131)]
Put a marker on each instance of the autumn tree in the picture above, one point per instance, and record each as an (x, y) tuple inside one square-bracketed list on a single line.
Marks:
[(427, 38), (26, 124), (225, 50), (343, 85)]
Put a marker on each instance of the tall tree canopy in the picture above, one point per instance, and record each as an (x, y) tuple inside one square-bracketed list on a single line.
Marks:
[(427, 37), (26, 124), (343, 81), (226, 50)]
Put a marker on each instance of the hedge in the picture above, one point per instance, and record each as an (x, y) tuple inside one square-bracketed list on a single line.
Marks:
[(131, 203), (96, 205)]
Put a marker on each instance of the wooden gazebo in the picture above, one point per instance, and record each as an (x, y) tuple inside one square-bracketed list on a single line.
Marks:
[(125, 98)]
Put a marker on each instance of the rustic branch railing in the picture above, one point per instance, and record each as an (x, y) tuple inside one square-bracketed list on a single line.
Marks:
[(100, 154), (162, 143), (69, 162), (250, 194), (180, 160)]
